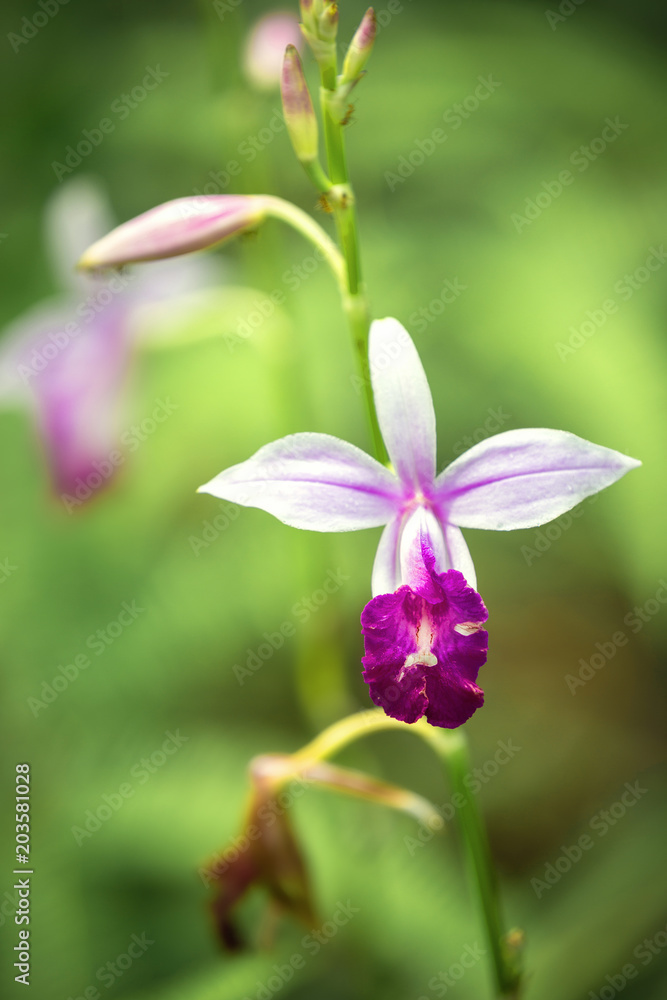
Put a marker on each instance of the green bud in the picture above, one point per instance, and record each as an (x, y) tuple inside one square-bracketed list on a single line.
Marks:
[(298, 107), (360, 48), (328, 23), (319, 25), (309, 14)]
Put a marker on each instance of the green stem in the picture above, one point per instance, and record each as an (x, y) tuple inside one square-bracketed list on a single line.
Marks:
[(358, 317), (346, 731), (316, 175), (278, 208), (452, 748), (345, 212)]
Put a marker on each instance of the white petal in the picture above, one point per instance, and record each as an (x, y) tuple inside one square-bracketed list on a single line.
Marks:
[(312, 481), (458, 555), (403, 402), (386, 577), (523, 478)]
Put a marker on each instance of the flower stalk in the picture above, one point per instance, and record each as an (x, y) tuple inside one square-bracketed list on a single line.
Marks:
[(356, 303), (505, 947), (285, 211), (301, 120), (320, 23)]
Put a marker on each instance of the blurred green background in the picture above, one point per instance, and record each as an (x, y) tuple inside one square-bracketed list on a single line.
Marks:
[(493, 349)]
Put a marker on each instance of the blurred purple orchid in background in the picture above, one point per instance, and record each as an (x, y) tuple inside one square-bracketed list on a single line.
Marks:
[(265, 48), (423, 631), (69, 358)]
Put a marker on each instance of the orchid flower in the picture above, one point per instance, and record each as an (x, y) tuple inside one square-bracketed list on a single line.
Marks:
[(424, 641), (68, 359)]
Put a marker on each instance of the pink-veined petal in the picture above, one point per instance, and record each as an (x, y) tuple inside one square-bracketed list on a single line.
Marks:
[(312, 481), (524, 478), (403, 402), (176, 227)]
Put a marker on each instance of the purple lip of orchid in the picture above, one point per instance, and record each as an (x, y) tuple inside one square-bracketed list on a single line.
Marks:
[(422, 631), (425, 643)]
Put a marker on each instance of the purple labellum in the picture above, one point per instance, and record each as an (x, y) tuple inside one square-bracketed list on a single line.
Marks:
[(424, 650)]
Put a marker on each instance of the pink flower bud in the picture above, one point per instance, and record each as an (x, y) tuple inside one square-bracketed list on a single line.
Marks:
[(176, 227), (360, 47), (298, 107), (328, 22), (308, 13)]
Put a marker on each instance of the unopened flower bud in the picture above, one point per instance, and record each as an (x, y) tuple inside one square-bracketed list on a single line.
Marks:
[(175, 228), (361, 47), (298, 107), (328, 23), (319, 25), (309, 12)]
